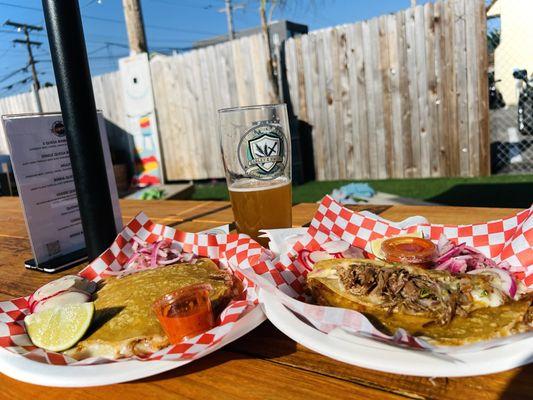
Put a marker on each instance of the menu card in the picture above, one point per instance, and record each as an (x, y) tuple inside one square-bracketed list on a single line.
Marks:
[(41, 164)]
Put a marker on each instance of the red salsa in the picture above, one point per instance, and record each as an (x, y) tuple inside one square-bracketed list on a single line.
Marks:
[(185, 313), (407, 249)]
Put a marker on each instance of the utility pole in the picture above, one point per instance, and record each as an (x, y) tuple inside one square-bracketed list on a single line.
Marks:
[(229, 17), (228, 9), (274, 96), (135, 26), (31, 61)]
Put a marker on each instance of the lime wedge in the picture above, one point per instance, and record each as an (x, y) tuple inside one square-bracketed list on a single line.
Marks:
[(59, 328)]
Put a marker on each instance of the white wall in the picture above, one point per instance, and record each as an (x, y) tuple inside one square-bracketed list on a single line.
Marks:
[(516, 46)]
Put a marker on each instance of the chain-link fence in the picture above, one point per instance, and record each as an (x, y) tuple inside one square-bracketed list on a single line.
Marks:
[(510, 43)]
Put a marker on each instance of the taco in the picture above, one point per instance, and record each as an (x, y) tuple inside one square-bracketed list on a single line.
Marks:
[(125, 325), (443, 308)]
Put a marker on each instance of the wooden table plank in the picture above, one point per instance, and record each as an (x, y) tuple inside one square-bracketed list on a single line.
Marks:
[(449, 214), (286, 352), (161, 211), (222, 375), (265, 362), (301, 213), (170, 211)]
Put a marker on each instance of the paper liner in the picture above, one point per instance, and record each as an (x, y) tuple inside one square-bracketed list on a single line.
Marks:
[(227, 250), (509, 239)]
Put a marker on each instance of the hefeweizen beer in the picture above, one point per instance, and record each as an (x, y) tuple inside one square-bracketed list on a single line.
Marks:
[(258, 206), (255, 143)]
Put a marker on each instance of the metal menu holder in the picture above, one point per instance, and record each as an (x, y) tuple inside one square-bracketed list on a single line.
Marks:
[(43, 172)]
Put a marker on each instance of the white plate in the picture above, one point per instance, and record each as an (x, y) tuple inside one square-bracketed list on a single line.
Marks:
[(25, 370), (371, 354)]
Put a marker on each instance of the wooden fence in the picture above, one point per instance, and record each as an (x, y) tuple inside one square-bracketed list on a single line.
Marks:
[(188, 90), (403, 95), (108, 97)]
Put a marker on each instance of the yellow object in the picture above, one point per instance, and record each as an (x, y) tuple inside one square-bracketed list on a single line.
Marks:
[(59, 328)]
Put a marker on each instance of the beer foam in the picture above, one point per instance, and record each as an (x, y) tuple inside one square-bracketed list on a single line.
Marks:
[(249, 185)]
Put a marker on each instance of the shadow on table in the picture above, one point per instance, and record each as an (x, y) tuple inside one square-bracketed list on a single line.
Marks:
[(265, 342), (520, 385), (516, 195)]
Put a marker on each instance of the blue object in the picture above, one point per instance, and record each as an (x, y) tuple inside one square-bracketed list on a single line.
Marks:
[(353, 193), (358, 190)]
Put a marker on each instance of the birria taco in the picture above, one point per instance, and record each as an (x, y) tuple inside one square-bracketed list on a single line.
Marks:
[(443, 308)]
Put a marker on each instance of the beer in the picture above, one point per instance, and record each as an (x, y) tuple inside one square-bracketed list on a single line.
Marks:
[(263, 206), (256, 151)]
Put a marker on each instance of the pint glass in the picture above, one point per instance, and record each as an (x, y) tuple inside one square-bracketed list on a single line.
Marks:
[(256, 151)]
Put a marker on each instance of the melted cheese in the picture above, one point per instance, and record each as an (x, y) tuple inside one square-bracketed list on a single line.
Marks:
[(489, 299)]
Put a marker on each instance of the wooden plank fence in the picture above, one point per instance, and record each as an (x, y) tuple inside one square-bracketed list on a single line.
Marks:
[(108, 97), (188, 90), (402, 95)]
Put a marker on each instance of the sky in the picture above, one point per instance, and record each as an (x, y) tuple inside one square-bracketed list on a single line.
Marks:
[(168, 23)]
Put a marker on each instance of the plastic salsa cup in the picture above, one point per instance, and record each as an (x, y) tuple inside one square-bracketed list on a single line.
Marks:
[(186, 312), (407, 249)]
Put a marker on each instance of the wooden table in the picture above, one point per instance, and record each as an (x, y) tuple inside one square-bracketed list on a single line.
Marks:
[(264, 363)]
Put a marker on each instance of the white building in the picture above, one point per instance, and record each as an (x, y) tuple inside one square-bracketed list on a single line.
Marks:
[(516, 43)]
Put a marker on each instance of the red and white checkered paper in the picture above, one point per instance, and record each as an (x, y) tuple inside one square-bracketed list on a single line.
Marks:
[(509, 239), (227, 250)]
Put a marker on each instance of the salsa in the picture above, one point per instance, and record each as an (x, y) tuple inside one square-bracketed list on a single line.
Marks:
[(185, 313), (407, 249)]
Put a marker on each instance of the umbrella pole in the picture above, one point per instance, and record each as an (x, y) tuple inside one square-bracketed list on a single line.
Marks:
[(76, 97)]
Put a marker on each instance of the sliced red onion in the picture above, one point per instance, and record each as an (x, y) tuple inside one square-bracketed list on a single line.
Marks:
[(335, 246), (317, 256), (458, 266), (506, 282), (153, 256), (444, 245), (353, 252), (450, 253), (169, 261), (445, 265), (147, 255), (188, 257)]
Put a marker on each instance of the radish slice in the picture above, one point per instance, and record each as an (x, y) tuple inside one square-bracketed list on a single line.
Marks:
[(64, 284), (317, 256), (335, 246), (506, 282), (62, 300), (303, 258)]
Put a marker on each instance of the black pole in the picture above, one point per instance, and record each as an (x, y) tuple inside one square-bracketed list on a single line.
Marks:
[(74, 86)]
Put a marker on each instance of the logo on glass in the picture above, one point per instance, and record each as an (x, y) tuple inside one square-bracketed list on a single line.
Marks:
[(262, 150)]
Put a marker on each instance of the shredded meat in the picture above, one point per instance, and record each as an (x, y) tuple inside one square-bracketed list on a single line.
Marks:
[(398, 288), (528, 317)]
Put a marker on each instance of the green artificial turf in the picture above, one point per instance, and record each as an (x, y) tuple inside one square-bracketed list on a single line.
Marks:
[(494, 191)]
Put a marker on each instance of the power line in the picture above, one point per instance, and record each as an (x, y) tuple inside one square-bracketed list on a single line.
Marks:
[(13, 73), (115, 21), (90, 3), (11, 85), (206, 7)]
